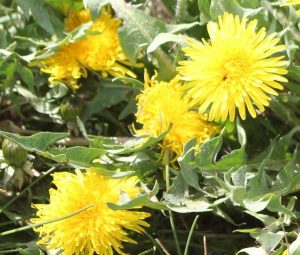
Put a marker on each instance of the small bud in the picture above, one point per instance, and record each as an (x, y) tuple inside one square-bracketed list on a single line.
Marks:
[(14, 154), (69, 110)]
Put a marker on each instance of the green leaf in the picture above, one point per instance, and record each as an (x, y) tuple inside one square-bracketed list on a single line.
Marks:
[(112, 174), (40, 104), (218, 7), (189, 174), (130, 108), (239, 176), (136, 84), (39, 12), (57, 92), (288, 179), (105, 97), (294, 248), (3, 41), (94, 6), (270, 201), (269, 240), (241, 134), (136, 145), (204, 7), (280, 147), (236, 158), (208, 152), (76, 154), (138, 31), (257, 205), (8, 72), (253, 251), (26, 75), (178, 199), (163, 38), (36, 143), (265, 219), (126, 203), (176, 28), (31, 251), (284, 112), (24, 7)]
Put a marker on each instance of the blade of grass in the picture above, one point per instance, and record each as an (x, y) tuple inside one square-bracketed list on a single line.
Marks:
[(156, 245), (186, 250), (167, 173), (12, 231)]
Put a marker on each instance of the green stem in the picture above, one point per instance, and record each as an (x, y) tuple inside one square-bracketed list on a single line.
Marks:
[(146, 252), (186, 250), (26, 189), (156, 245), (167, 172), (9, 232), (167, 168), (10, 251), (7, 223), (286, 239)]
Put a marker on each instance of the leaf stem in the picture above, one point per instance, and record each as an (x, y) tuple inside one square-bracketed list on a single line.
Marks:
[(186, 250), (167, 168), (167, 173)]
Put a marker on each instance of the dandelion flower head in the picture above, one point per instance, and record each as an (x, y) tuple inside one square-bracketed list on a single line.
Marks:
[(99, 51), (161, 104), (235, 70), (97, 229), (292, 3)]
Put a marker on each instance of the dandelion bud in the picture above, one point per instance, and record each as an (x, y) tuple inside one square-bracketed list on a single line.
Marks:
[(13, 153), (69, 110)]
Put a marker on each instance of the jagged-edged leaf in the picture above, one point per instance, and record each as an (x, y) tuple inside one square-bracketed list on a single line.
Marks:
[(76, 154), (208, 152), (189, 174), (105, 97), (178, 199), (138, 144), (138, 31), (126, 203), (163, 38), (218, 7), (38, 142), (39, 12)]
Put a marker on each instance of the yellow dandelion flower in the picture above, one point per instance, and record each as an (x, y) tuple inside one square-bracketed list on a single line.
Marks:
[(292, 3), (99, 51), (160, 104), (98, 229), (234, 70)]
